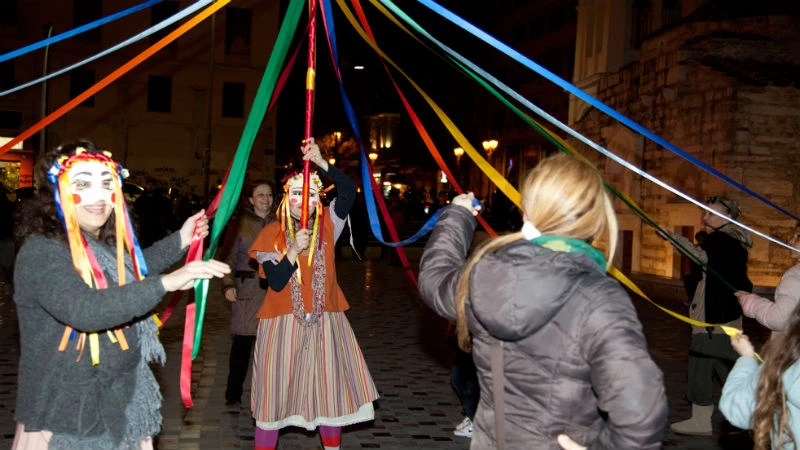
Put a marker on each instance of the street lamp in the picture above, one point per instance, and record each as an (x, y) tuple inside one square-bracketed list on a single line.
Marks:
[(332, 161), (490, 146), (459, 152), (372, 156)]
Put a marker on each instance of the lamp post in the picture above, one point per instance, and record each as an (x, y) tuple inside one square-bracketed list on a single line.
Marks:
[(489, 146), (459, 152)]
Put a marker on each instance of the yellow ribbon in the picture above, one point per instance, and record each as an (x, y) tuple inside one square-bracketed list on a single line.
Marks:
[(495, 176)]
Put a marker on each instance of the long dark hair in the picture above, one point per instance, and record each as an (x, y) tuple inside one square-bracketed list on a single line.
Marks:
[(39, 214), (780, 353)]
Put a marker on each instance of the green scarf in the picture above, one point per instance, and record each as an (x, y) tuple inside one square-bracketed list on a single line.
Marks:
[(567, 244)]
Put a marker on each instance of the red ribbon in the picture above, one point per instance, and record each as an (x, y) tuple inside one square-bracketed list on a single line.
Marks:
[(186, 357), (417, 123), (310, 81)]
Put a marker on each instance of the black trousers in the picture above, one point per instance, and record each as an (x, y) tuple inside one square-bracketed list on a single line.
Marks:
[(241, 352)]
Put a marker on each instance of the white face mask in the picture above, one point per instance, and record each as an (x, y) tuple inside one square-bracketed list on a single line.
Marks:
[(92, 182)]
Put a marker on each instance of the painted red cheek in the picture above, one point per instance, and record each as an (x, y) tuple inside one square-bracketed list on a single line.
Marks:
[(294, 201), (76, 199), (313, 203), (113, 197)]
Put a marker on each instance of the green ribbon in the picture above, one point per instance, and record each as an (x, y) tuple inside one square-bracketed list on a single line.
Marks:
[(568, 244), (233, 187)]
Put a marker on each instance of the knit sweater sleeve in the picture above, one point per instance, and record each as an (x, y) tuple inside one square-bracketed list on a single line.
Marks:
[(45, 276), (163, 253)]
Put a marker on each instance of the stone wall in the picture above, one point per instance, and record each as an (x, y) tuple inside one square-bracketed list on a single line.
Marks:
[(677, 90)]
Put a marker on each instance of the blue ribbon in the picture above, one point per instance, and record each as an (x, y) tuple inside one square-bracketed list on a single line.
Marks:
[(366, 176), (75, 31), (522, 59)]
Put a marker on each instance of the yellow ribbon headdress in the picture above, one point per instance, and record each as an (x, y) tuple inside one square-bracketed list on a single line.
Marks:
[(82, 256)]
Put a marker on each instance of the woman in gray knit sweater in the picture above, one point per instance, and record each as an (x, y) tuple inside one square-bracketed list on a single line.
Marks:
[(87, 331)]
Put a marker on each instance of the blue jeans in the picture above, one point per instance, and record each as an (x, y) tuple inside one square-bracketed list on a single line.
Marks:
[(464, 378)]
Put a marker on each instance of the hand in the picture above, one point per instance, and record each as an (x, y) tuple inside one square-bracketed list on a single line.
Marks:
[(744, 301), (230, 294), (568, 444), (741, 343), (197, 223), (301, 241), (184, 277), (311, 153), (467, 201)]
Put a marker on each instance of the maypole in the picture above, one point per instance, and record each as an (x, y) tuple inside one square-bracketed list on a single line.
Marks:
[(310, 77)]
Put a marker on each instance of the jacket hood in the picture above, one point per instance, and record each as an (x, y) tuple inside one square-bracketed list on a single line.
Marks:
[(520, 288), (738, 233)]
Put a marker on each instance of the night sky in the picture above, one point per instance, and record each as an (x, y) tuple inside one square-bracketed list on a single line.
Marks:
[(371, 91)]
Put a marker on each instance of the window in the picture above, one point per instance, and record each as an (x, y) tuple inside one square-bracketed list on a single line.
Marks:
[(8, 77), (237, 31), (160, 12), (8, 12), (233, 100), (642, 23), (159, 94), (671, 12), (79, 81), (83, 12)]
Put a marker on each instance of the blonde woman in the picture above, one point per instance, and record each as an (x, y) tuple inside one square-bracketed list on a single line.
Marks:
[(557, 343)]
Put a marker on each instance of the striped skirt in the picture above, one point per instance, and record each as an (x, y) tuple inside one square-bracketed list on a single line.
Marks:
[(310, 376)]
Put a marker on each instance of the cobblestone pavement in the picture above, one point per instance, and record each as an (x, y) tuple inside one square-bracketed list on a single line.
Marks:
[(404, 346)]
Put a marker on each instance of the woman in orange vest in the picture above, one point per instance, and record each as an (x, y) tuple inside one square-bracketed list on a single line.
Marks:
[(308, 371)]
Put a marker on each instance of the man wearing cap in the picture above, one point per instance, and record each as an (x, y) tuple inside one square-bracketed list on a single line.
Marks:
[(725, 252)]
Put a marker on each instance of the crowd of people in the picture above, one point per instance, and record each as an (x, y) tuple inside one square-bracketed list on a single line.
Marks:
[(550, 350)]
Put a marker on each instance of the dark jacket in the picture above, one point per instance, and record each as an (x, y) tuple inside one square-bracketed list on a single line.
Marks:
[(575, 357), (727, 256), (244, 277), (55, 392)]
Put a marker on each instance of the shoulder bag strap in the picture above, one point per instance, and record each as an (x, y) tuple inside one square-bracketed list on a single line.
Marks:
[(498, 392)]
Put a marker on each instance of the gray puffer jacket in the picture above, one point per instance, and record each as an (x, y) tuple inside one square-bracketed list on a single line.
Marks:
[(575, 357)]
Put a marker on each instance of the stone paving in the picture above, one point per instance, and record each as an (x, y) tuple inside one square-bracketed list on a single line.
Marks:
[(404, 346)]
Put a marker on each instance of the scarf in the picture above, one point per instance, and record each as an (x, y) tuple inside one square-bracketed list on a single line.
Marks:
[(142, 417), (568, 244)]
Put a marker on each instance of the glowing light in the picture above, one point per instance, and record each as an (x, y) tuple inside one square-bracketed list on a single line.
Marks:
[(332, 161), (459, 152), (443, 179), (373, 156), (397, 185), (358, 67), (490, 146)]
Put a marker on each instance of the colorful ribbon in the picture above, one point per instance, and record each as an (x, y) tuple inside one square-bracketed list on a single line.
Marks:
[(113, 76), (565, 147), (75, 31), (571, 88), (233, 188), (311, 74), (456, 58), (423, 134), (154, 29), (370, 186)]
